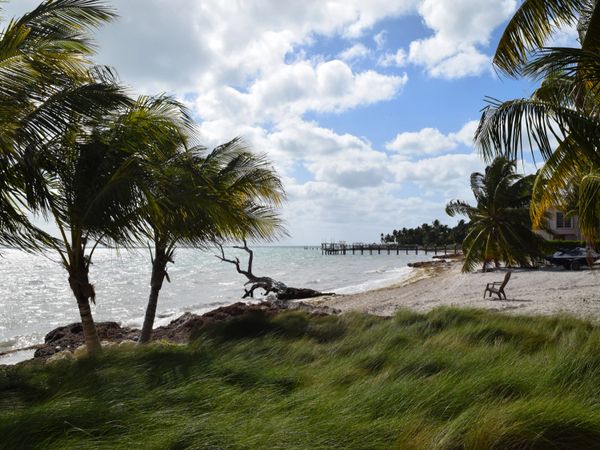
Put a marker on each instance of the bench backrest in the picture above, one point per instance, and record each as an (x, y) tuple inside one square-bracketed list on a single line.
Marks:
[(506, 278)]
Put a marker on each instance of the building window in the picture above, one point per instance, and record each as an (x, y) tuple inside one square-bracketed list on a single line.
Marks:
[(562, 221)]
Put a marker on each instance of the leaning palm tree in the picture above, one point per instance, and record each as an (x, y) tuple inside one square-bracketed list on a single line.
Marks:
[(561, 118), (91, 196), (500, 228), (55, 157), (198, 198)]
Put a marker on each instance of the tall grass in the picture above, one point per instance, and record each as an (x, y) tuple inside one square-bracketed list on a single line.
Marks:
[(449, 379)]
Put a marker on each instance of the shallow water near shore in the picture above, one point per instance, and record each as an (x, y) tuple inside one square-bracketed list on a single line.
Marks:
[(35, 297)]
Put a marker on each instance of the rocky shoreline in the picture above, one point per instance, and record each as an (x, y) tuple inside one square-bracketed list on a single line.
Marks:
[(69, 338)]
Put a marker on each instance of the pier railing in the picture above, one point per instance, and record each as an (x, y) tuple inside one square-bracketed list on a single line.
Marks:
[(342, 248)]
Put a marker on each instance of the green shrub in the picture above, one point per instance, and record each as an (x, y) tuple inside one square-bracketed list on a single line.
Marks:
[(249, 325)]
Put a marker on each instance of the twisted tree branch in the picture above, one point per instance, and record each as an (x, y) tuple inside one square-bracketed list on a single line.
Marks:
[(268, 284)]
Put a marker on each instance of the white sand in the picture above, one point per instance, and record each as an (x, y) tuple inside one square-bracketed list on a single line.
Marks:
[(544, 291)]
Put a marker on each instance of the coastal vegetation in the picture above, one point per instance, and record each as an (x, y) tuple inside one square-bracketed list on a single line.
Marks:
[(560, 120), (435, 234), (443, 380), (500, 225)]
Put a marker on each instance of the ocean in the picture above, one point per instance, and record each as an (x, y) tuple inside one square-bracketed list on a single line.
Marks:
[(35, 296)]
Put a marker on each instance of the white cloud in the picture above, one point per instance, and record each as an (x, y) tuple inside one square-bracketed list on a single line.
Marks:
[(188, 46), (467, 133), (425, 141), (460, 27), (357, 51), (465, 63), (349, 175), (447, 175), (397, 59), (214, 43), (296, 88), (353, 214), (430, 141), (307, 140), (350, 188), (341, 160), (566, 36), (356, 169), (380, 39)]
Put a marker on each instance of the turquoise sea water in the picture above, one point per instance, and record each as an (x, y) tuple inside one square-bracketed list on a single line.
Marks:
[(35, 296)]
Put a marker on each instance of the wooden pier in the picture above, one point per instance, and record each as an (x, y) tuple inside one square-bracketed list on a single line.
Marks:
[(341, 248)]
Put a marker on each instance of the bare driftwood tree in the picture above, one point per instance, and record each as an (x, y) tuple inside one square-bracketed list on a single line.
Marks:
[(268, 284)]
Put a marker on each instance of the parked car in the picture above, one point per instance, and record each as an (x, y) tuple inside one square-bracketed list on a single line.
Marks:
[(573, 259)]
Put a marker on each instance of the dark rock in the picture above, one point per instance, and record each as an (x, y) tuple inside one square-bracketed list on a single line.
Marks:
[(423, 264), (290, 293), (70, 337), (449, 256)]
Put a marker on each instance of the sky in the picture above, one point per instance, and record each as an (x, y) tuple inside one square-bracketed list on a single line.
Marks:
[(366, 108)]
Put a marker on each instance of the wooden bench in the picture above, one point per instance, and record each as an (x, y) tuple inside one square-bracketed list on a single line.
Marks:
[(497, 287)]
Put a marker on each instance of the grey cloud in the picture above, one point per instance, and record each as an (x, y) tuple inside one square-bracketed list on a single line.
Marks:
[(354, 178)]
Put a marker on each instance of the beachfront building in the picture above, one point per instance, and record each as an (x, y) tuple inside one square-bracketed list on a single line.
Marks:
[(561, 226)]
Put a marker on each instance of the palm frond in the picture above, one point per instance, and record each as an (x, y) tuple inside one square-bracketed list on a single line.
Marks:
[(589, 204), (589, 26), (560, 172), (60, 18), (459, 207), (474, 241), (529, 29), (568, 61), (504, 128), (87, 103)]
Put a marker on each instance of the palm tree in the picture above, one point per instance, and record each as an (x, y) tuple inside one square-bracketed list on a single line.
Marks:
[(196, 198), (500, 228), (92, 197), (561, 118), (42, 55), (56, 157)]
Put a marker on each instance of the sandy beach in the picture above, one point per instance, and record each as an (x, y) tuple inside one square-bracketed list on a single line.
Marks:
[(544, 291)]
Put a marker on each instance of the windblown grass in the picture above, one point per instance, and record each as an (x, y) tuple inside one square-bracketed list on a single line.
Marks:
[(449, 379)]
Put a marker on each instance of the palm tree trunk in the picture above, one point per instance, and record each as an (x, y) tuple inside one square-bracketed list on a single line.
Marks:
[(92, 341), (159, 265), (84, 291)]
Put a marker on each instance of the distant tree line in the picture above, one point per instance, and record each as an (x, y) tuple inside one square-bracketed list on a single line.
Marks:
[(426, 234)]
